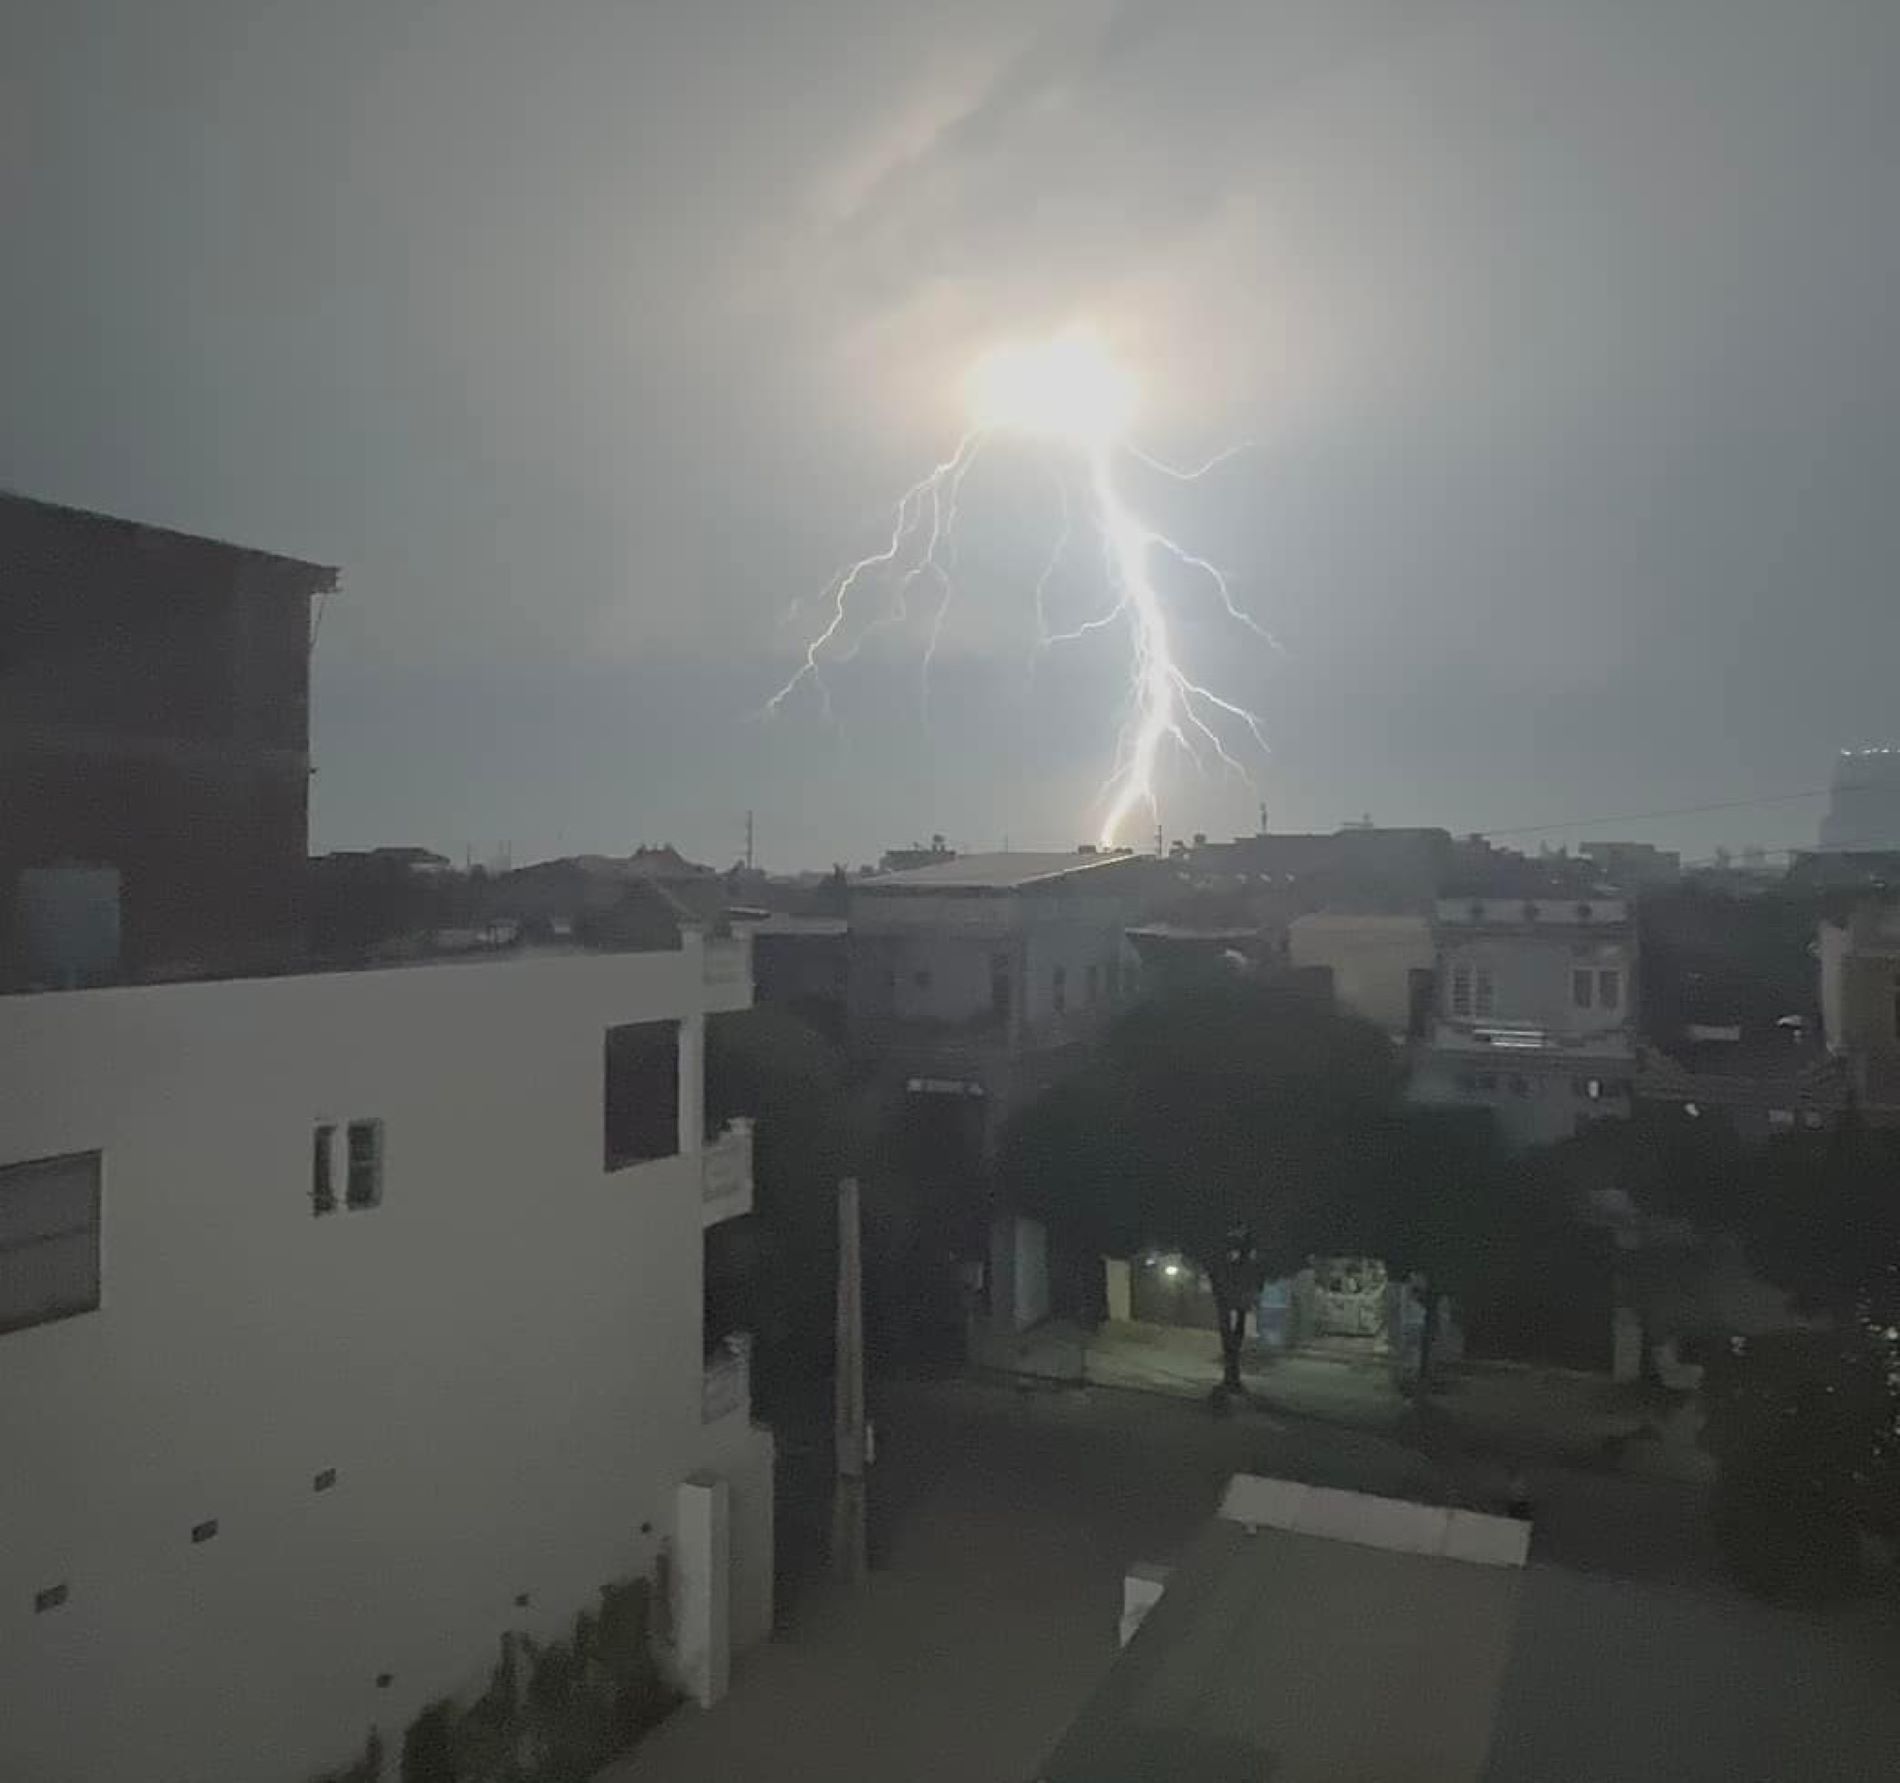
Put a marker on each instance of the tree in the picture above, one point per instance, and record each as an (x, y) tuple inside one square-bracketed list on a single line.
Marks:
[(1807, 1424), (1431, 1192), (1218, 1118)]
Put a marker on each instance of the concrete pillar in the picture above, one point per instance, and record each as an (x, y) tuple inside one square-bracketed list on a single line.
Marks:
[(1142, 1586), (692, 1098), (704, 1612), (1120, 1288)]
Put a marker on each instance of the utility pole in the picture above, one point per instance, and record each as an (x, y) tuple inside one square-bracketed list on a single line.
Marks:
[(748, 841), (848, 1555), (1161, 846)]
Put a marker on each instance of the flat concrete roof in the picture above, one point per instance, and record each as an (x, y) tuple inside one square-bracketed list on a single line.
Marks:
[(993, 872)]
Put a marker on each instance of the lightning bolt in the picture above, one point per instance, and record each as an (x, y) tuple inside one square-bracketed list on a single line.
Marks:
[(1165, 705)]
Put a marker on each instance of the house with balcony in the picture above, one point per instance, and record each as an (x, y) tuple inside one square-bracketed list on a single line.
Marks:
[(1535, 1013), (974, 983)]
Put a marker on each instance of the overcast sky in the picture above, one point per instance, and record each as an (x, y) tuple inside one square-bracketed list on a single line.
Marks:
[(589, 338)]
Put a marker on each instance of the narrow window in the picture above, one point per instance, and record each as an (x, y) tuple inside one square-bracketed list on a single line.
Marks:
[(1000, 988), (49, 1239), (1609, 988), (1461, 990), (1582, 988), (641, 1093), (323, 1169), (363, 1187), (1486, 997)]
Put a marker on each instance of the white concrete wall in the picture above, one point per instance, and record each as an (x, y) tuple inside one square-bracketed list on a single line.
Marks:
[(502, 1361), (1371, 959)]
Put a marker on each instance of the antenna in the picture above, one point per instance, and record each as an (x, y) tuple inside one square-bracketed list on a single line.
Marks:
[(748, 841)]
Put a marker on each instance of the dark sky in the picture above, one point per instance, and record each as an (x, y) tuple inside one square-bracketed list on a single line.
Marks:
[(587, 338)]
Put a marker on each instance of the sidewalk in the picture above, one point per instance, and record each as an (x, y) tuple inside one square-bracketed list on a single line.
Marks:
[(1510, 1412)]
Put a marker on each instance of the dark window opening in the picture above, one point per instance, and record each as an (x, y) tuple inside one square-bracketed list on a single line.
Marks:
[(641, 1093), (1609, 988), (49, 1240), (322, 1170), (1583, 989), (363, 1186), (1001, 990)]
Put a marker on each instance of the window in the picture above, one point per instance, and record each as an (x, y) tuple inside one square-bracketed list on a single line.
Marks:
[(1582, 988), (1486, 998), (363, 1187), (1467, 1084), (1461, 990), (1520, 1086), (1609, 987), (1487, 1082), (1059, 989), (49, 1239), (641, 1093), (322, 1170), (1001, 992)]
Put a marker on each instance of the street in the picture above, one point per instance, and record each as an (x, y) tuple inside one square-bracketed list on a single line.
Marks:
[(1003, 1519)]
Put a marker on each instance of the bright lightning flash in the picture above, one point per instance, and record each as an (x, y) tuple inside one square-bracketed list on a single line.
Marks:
[(1069, 394)]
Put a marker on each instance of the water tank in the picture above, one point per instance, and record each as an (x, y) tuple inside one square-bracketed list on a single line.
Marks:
[(67, 923)]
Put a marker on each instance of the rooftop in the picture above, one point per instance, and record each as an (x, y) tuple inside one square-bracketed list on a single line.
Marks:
[(994, 872), (136, 532), (1370, 1638)]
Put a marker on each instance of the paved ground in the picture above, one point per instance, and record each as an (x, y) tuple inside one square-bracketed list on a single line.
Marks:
[(1003, 1520)]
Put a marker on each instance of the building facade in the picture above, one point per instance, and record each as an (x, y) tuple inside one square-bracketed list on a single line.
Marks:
[(1535, 1013), (154, 748), (1860, 1002), (1381, 968), (346, 1322), (1863, 806)]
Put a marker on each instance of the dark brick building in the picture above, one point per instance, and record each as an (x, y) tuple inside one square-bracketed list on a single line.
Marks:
[(154, 720)]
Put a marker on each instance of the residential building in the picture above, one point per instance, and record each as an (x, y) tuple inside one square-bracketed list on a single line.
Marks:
[(1860, 1001), (348, 1320), (1863, 807), (154, 748), (1633, 866), (1309, 1634), (1535, 1015), (1379, 967), (973, 985)]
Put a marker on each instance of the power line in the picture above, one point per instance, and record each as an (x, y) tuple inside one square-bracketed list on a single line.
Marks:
[(1589, 823)]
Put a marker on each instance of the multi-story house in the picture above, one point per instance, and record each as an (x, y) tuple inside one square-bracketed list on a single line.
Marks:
[(1535, 1013)]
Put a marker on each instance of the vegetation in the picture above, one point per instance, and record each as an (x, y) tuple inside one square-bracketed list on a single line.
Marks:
[(1252, 1125), (551, 1713), (1807, 1424)]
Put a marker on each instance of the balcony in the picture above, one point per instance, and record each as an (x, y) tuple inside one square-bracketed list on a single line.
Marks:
[(726, 1386), (725, 1174)]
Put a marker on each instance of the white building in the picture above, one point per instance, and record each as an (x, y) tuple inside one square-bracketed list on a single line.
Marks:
[(347, 1321), (1380, 967), (1863, 806), (1536, 1013), (1860, 1001)]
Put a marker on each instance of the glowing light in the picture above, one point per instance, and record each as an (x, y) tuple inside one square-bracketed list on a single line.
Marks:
[(1065, 389), (1070, 394)]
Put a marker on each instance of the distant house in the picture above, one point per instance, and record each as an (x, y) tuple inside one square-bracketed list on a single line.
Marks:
[(974, 984), (1535, 1015), (1860, 1001)]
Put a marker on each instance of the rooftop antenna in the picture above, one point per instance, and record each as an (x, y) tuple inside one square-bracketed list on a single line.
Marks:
[(748, 841)]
